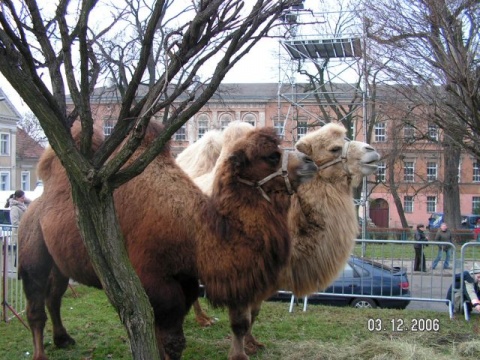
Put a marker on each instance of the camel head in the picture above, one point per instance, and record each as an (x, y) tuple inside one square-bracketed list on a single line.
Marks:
[(335, 154), (258, 161)]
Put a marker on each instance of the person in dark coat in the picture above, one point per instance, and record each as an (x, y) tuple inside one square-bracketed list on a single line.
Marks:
[(419, 264)]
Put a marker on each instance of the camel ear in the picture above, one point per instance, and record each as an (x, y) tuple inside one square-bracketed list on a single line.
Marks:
[(304, 147)]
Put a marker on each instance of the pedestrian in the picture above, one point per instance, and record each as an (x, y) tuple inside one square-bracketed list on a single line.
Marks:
[(18, 205), (445, 235), (419, 264), (471, 291)]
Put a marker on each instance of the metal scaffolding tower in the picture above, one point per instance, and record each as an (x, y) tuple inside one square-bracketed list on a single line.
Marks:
[(325, 50)]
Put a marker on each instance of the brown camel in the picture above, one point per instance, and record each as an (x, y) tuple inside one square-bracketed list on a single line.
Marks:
[(322, 220), (172, 239)]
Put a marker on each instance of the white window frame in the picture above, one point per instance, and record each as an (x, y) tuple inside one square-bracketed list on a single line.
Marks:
[(5, 180), (249, 118), (224, 120), (202, 125), (381, 175), (432, 132), (409, 171), (409, 133), (5, 140), (278, 125), (431, 204), (380, 132), (302, 129), (108, 125), (476, 172), (408, 204), (181, 134), (25, 180), (475, 204), (432, 171)]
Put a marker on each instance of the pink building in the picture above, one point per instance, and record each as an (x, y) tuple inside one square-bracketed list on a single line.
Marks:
[(411, 153)]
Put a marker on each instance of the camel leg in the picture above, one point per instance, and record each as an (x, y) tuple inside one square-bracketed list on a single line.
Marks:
[(201, 317), (171, 300), (252, 346), (240, 319), (34, 288), (57, 286)]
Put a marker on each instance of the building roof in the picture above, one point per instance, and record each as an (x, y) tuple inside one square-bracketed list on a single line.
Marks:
[(8, 112), (27, 148), (243, 92)]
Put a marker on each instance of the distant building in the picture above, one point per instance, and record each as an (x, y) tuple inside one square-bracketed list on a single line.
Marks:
[(417, 170), (19, 153)]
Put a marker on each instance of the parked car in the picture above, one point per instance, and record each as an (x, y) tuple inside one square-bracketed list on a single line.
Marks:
[(4, 216), (469, 221), (362, 276)]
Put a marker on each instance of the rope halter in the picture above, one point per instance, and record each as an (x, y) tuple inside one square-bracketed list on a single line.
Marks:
[(342, 158), (280, 172)]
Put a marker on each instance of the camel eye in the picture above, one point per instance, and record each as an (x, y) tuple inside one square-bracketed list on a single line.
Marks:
[(336, 149), (273, 158)]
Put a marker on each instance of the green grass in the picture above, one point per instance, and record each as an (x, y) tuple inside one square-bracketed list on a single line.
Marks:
[(320, 333), (405, 251)]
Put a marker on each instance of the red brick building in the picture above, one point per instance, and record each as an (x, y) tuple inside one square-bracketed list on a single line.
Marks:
[(418, 165)]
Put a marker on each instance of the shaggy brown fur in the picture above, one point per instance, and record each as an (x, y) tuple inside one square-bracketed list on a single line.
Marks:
[(322, 219), (170, 239)]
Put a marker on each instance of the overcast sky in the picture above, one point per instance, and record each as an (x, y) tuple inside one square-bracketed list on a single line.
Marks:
[(261, 65)]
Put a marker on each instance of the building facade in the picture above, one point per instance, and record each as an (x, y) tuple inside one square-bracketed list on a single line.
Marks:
[(412, 160), (19, 153)]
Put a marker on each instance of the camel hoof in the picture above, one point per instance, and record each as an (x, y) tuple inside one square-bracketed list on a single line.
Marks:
[(238, 357), (251, 348), (63, 341), (40, 357), (205, 321)]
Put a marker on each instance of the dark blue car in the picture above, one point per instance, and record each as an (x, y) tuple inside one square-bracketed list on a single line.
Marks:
[(364, 277)]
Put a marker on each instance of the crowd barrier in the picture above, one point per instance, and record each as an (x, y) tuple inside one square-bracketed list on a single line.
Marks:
[(429, 287), (13, 299)]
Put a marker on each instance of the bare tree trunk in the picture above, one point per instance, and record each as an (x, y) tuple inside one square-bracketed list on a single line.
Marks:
[(451, 192), (393, 190), (118, 278)]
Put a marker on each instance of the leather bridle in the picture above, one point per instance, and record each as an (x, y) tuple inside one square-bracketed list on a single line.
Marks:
[(280, 172), (342, 158)]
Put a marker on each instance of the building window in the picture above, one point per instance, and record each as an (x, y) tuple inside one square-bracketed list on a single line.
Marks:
[(25, 181), (381, 172), (432, 132), (202, 125), (476, 172), (408, 171), (4, 180), (278, 125), (301, 129), (225, 119), (431, 171), (380, 132), (108, 125), (408, 204), (475, 204), (4, 144), (250, 118), (181, 134), (409, 133), (431, 204)]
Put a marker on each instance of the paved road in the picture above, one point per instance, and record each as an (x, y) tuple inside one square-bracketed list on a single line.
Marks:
[(429, 285)]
